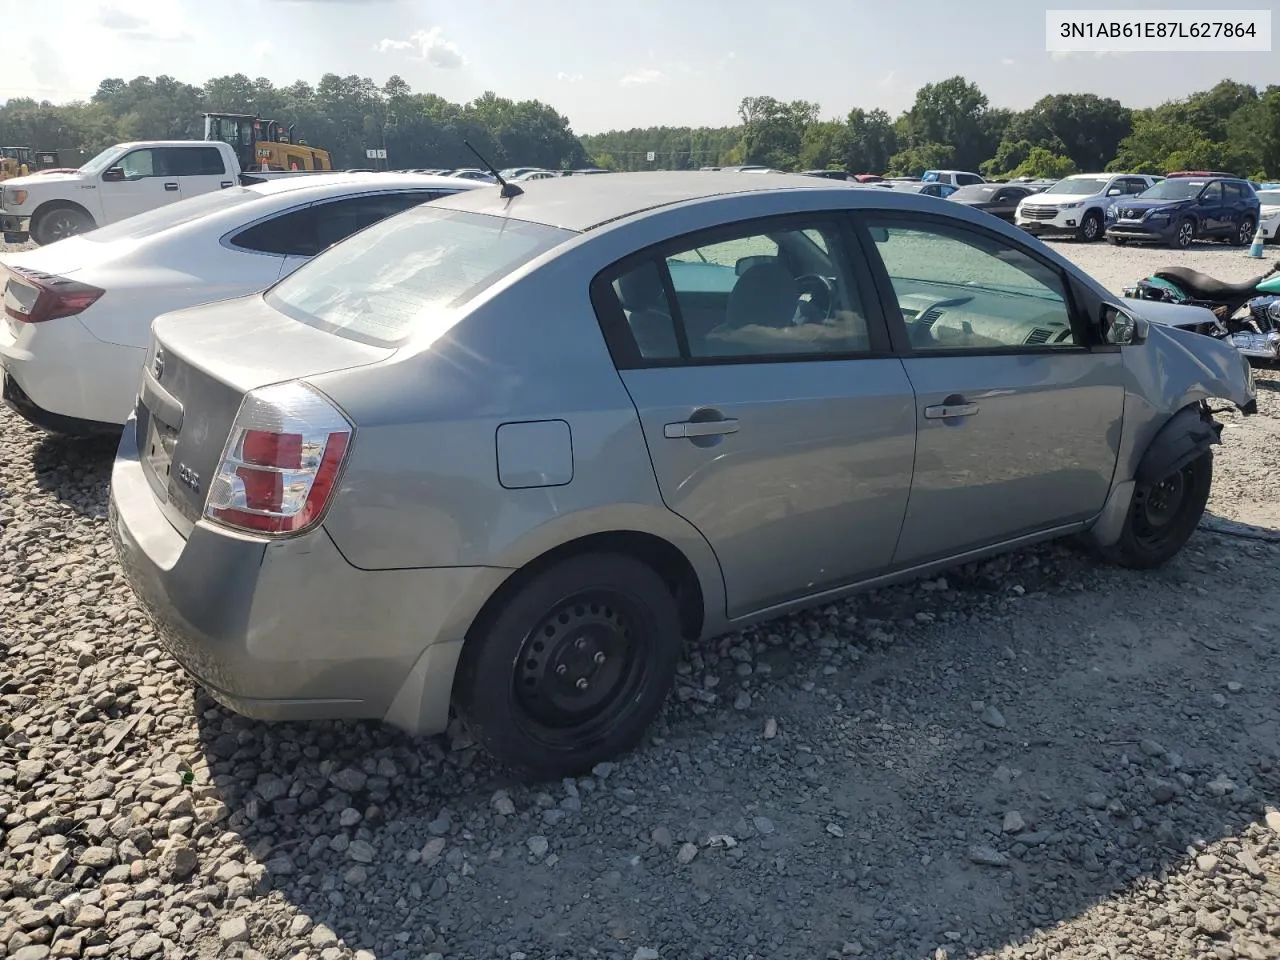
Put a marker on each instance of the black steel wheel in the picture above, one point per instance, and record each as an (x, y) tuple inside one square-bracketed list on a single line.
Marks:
[(573, 667), (1163, 515)]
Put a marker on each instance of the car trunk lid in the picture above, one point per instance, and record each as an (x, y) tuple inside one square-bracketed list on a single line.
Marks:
[(199, 366)]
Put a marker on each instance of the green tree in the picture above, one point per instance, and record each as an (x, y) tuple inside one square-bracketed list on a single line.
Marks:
[(773, 131), (1042, 164), (951, 112)]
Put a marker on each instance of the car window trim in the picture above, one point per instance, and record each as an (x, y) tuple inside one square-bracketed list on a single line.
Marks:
[(617, 332), (226, 240), (1081, 330)]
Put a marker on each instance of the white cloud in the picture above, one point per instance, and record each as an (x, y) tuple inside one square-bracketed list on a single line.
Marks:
[(640, 77), (1007, 62), (887, 79), (569, 77), (431, 46), (128, 25), (264, 49), (1072, 54), (726, 60)]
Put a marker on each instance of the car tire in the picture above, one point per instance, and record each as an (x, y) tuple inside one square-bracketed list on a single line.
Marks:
[(58, 223), (1244, 234), (524, 681), (1184, 234), (1090, 227), (1163, 515)]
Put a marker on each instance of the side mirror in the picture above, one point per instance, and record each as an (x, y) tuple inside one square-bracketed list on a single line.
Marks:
[(1114, 192), (113, 175), (1122, 329)]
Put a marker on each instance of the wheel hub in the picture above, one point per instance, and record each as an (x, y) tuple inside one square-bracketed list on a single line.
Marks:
[(574, 663), (1162, 502)]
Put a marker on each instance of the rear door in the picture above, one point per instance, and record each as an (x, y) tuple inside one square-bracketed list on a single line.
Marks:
[(198, 169), (1215, 216), (1237, 200), (777, 423), (1018, 413), (146, 185)]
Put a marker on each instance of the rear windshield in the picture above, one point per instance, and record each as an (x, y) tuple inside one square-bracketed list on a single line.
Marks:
[(406, 273), (173, 214)]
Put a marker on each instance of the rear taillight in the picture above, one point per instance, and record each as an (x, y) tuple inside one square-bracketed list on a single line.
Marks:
[(34, 297), (281, 463)]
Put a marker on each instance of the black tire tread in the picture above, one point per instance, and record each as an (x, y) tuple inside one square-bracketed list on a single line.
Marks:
[(1127, 552)]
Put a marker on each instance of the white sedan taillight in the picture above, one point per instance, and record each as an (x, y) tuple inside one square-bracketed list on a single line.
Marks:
[(281, 463)]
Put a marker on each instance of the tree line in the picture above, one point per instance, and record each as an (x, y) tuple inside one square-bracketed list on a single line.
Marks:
[(1232, 126)]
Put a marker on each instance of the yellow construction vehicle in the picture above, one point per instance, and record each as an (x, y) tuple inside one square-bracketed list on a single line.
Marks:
[(23, 161), (264, 144)]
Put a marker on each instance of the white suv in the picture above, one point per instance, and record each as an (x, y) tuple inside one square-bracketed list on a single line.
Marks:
[(1077, 204)]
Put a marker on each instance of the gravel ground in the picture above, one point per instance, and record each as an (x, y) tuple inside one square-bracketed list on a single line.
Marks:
[(1037, 756)]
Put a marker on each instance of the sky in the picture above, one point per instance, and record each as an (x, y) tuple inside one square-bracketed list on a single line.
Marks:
[(604, 64)]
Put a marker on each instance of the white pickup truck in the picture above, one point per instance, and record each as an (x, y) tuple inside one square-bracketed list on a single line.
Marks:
[(121, 181)]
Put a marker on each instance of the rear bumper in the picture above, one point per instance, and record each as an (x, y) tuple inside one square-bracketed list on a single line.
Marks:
[(16, 399), (68, 376), (288, 630)]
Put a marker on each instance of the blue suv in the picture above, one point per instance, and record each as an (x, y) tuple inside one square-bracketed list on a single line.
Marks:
[(1181, 209)]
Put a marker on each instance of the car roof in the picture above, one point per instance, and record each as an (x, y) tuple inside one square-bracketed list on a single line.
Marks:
[(581, 203), (325, 182)]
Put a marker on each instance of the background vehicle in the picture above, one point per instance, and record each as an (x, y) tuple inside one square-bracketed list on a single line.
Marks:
[(23, 161), (1077, 205), (931, 189), (637, 376), (828, 174), (1182, 209), (1269, 213), (78, 312), (262, 143), (998, 199), (957, 178), (120, 182), (1245, 315)]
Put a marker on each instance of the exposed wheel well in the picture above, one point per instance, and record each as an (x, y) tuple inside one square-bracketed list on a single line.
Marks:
[(51, 205), (666, 560)]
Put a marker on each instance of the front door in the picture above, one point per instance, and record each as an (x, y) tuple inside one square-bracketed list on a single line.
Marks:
[(771, 426), (1212, 208), (1018, 418), (146, 185)]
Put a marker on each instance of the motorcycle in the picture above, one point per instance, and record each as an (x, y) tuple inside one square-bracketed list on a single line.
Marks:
[(1245, 315)]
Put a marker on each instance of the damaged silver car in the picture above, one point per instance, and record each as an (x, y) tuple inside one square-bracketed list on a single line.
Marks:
[(513, 450)]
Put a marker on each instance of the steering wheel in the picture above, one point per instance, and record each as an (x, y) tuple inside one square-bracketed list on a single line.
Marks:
[(817, 298)]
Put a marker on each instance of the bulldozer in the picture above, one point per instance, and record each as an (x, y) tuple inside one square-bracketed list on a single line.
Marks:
[(264, 144), (22, 161)]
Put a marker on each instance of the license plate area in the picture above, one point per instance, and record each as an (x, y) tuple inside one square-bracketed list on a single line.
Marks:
[(157, 452)]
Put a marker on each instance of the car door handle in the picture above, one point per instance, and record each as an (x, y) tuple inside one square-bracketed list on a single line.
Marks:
[(171, 186), (944, 411), (699, 428)]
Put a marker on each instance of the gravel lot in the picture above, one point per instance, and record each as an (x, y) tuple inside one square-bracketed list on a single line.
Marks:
[(1036, 757)]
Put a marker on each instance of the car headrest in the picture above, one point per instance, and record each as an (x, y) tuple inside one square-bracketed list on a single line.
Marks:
[(765, 295)]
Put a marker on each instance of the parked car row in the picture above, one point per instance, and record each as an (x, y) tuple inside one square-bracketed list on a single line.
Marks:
[(513, 453)]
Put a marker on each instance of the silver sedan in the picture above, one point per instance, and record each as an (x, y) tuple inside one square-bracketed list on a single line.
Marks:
[(515, 449)]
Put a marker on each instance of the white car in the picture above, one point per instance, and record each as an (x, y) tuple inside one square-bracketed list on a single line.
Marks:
[(78, 312), (1269, 215), (1077, 205)]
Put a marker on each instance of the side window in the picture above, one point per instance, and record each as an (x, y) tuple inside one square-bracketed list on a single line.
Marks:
[(1233, 192), (194, 162), (291, 234), (962, 290), (138, 164), (340, 219), (1212, 192), (762, 293), (967, 179), (1137, 186), (305, 232)]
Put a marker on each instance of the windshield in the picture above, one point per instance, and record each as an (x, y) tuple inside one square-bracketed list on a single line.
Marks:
[(975, 192), (101, 161), (1078, 186), (1175, 188), (387, 282), (1269, 198), (173, 214), (929, 176)]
